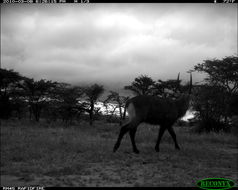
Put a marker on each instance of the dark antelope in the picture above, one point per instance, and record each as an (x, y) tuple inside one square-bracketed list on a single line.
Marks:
[(157, 111)]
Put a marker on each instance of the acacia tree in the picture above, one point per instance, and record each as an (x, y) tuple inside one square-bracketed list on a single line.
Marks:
[(92, 93), (8, 81), (233, 108), (120, 101), (37, 93), (169, 88), (221, 72), (221, 85), (142, 85), (64, 102), (69, 104), (166, 88)]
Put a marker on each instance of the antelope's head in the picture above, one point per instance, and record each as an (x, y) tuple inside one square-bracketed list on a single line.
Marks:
[(183, 93), (183, 90)]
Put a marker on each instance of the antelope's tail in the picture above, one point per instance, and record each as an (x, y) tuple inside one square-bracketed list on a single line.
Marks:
[(126, 106)]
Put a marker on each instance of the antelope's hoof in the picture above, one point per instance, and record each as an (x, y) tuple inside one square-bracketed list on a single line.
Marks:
[(177, 148), (115, 147), (136, 151), (157, 149)]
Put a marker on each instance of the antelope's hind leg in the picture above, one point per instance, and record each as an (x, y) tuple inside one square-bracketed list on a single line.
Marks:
[(132, 136), (124, 129)]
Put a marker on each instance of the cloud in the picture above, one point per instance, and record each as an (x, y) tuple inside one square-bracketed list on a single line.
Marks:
[(114, 43)]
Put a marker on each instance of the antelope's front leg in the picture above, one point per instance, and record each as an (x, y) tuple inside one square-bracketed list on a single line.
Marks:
[(161, 132)]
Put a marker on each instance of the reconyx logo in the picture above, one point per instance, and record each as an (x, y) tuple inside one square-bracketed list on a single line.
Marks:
[(215, 183)]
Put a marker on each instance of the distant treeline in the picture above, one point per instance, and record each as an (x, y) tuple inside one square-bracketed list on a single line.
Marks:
[(215, 99)]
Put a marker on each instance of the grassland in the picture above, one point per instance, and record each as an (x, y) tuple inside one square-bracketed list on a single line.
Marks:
[(81, 155)]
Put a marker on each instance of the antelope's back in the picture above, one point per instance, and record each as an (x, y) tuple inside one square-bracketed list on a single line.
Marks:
[(152, 109)]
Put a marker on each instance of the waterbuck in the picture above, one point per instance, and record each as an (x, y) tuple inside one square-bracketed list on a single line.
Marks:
[(157, 111)]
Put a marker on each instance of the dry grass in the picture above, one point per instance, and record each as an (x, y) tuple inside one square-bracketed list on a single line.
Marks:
[(81, 155)]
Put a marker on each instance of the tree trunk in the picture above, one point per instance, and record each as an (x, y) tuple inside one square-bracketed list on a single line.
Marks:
[(30, 112), (36, 112), (91, 113), (121, 116)]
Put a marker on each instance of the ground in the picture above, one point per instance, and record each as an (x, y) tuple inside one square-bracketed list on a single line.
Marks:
[(46, 154)]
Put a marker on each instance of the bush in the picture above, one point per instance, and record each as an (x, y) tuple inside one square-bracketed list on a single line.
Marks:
[(211, 125), (182, 123)]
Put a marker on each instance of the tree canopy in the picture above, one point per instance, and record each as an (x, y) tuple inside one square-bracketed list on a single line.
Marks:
[(221, 72), (214, 100), (142, 85)]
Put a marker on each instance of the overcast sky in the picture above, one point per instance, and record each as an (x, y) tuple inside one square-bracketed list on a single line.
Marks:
[(112, 44)]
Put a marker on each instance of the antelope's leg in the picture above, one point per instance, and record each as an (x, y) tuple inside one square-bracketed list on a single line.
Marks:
[(124, 129), (161, 132), (173, 135), (132, 136)]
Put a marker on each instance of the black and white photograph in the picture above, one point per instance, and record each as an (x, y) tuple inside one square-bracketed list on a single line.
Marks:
[(119, 95)]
